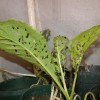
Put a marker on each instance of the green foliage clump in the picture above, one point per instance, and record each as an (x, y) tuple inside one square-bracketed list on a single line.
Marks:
[(21, 39)]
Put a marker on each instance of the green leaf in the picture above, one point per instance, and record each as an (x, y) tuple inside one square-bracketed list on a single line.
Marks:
[(59, 57), (19, 38), (60, 52), (80, 44)]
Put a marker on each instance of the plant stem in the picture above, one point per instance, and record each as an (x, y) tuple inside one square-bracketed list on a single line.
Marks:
[(63, 79), (55, 94), (62, 73), (73, 87), (65, 93), (77, 97), (16, 74), (89, 93), (52, 91)]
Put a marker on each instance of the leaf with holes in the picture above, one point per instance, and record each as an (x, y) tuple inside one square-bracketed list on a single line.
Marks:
[(80, 44), (59, 56), (19, 38), (60, 52)]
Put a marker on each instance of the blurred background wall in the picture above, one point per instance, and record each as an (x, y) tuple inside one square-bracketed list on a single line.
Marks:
[(16, 9), (69, 18), (62, 17)]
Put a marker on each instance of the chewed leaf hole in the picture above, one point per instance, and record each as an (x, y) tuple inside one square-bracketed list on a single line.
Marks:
[(35, 49), (46, 56), (13, 27), (25, 29), (27, 35), (15, 50), (83, 45), (17, 27), (19, 39), (44, 46)]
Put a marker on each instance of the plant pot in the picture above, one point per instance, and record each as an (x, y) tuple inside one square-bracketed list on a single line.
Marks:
[(89, 81), (13, 89), (39, 92)]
